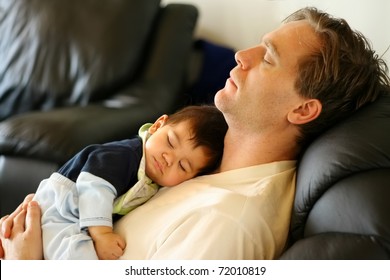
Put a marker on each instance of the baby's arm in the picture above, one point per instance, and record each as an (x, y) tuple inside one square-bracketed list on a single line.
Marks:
[(108, 245)]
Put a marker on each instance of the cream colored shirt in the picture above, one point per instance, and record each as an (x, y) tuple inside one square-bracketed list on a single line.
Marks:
[(239, 214)]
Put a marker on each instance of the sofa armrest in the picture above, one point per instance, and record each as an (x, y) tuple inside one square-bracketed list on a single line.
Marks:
[(57, 135), (164, 74)]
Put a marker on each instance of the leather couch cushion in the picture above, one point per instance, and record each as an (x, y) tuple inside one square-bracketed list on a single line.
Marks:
[(67, 52), (342, 180), (336, 246)]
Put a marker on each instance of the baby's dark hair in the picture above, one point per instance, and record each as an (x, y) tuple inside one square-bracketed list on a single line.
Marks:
[(208, 128)]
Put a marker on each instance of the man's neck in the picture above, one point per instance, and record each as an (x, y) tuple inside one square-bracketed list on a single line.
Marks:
[(244, 150)]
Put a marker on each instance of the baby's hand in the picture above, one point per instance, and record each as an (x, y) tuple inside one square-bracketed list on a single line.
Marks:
[(108, 245)]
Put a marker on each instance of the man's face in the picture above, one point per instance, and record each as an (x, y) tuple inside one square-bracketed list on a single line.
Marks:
[(260, 91)]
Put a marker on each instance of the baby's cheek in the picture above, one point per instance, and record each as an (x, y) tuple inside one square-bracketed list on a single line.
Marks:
[(175, 178)]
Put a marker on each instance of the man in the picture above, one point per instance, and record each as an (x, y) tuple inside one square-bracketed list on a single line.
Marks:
[(301, 78)]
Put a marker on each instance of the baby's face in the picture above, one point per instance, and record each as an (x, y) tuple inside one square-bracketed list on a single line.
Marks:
[(170, 155)]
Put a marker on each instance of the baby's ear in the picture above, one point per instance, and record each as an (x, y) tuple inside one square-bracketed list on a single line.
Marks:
[(306, 112), (160, 122)]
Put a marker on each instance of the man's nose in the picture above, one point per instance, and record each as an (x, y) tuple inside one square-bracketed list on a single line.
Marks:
[(245, 58)]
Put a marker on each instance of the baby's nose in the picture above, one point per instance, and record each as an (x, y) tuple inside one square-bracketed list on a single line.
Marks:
[(168, 157)]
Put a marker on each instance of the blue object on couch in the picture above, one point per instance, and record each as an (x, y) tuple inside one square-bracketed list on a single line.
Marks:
[(217, 61)]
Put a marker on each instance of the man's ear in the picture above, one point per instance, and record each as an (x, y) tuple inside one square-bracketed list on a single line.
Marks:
[(160, 122), (307, 111)]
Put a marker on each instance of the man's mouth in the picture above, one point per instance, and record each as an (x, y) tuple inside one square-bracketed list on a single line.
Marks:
[(231, 80)]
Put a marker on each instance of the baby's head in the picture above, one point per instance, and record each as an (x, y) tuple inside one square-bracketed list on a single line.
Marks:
[(185, 144)]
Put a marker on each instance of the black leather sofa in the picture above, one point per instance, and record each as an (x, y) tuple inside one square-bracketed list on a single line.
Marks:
[(342, 201), (77, 72), (342, 208)]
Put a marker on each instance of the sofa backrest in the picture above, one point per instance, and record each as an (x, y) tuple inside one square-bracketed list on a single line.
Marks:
[(59, 53), (343, 178)]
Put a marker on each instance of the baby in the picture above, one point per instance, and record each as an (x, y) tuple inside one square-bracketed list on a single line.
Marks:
[(79, 200)]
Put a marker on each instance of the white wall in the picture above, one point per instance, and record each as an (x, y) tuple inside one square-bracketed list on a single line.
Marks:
[(241, 23)]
